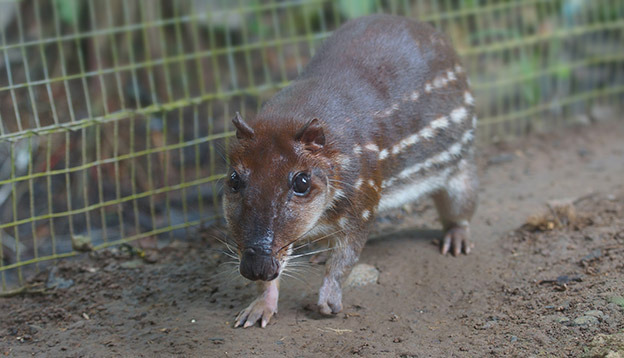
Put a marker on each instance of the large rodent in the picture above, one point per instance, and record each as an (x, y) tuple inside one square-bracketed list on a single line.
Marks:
[(381, 116)]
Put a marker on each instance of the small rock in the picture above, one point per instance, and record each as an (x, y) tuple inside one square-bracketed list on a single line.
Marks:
[(594, 255), (618, 300), (513, 339), (585, 321), (594, 313), (55, 281), (562, 320), (362, 275), (81, 243), (132, 264), (151, 256), (486, 324), (34, 329)]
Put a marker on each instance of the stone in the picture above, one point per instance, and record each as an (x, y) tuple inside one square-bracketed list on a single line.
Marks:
[(618, 300), (594, 313), (132, 264), (362, 275), (562, 320), (56, 281), (585, 321)]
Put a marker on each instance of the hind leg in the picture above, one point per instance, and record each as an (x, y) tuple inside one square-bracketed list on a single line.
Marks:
[(456, 203)]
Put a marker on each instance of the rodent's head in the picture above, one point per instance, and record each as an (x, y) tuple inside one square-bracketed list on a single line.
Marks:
[(275, 192)]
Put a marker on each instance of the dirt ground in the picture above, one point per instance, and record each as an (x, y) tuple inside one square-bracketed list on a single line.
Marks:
[(552, 287)]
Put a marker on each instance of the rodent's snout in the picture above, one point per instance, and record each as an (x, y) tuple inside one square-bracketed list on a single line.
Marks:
[(258, 264)]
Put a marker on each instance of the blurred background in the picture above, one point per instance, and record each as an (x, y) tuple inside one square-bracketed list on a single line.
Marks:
[(114, 115)]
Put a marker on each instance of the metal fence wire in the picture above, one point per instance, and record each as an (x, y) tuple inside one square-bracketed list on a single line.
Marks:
[(114, 115)]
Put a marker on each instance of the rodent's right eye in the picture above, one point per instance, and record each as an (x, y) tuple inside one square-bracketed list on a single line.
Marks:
[(235, 182), (301, 184)]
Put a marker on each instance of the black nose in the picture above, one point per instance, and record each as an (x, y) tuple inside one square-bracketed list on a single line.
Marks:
[(258, 264)]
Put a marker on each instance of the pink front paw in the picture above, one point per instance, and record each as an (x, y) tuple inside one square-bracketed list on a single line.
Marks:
[(262, 308), (259, 310)]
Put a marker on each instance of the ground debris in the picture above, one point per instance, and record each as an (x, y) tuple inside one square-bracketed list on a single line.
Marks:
[(559, 214), (561, 282), (55, 281), (606, 346)]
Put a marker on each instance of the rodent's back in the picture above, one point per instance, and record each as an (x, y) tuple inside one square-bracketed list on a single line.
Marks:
[(363, 67), (378, 80)]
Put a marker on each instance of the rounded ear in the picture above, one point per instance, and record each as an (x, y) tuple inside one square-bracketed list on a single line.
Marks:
[(243, 130), (311, 135)]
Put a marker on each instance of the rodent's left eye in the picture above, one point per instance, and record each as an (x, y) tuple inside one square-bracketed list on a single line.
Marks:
[(301, 184), (235, 182)]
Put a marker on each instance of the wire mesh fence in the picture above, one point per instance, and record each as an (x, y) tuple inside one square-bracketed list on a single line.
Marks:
[(114, 115)]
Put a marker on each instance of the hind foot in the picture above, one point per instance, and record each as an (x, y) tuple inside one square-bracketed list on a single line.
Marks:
[(456, 240)]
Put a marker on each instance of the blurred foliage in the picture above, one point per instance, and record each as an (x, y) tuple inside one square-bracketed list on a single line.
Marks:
[(69, 10), (356, 8)]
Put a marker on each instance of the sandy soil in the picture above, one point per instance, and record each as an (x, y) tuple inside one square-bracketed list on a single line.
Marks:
[(553, 288)]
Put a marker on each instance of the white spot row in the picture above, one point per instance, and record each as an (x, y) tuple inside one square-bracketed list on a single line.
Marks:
[(441, 81), (372, 147), (412, 191), (457, 115), (440, 158), (358, 183), (438, 82)]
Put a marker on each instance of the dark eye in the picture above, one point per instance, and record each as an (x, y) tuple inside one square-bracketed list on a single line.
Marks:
[(235, 182), (301, 183)]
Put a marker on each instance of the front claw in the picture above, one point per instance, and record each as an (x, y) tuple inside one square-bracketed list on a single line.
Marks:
[(456, 240), (259, 310), (262, 308)]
